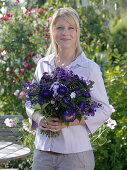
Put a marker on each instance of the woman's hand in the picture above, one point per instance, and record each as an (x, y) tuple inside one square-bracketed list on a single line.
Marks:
[(52, 124)]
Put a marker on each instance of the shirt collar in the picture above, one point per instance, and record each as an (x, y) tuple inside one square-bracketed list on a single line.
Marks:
[(81, 60)]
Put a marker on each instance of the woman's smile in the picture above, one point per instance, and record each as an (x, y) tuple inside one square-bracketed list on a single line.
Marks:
[(65, 34)]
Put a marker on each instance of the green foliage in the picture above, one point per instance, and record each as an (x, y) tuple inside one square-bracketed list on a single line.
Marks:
[(25, 38)]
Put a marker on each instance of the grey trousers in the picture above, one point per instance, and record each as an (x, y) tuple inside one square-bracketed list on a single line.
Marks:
[(48, 161)]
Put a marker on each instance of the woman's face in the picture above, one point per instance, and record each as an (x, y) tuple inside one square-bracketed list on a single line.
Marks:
[(65, 34)]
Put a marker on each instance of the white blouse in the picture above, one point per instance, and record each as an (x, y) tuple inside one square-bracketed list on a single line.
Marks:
[(74, 139)]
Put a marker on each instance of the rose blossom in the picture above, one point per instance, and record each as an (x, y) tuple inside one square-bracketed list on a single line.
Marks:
[(40, 10), (21, 94), (22, 71), (25, 64), (9, 122), (50, 19), (36, 60)]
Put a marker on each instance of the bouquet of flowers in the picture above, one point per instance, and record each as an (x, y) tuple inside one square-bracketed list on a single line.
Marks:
[(61, 94)]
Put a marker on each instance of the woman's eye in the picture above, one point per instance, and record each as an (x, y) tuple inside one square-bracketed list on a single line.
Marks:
[(59, 28), (71, 28)]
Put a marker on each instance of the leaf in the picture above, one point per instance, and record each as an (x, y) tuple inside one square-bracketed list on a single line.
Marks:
[(79, 117), (37, 107), (44, 106), (91, 84), (78, 99)]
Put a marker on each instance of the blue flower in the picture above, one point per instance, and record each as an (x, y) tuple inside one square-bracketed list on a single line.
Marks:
[(84, 83), (40, 101), (69, 115), (45, 93), (62, 90), (82, 105), (66, 100), (63, 75), (87, 95), (81, 80), (78, 92), (91, 111), (25, 85)]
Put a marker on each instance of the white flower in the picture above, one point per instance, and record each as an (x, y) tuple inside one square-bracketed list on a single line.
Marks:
[(4, 10), (35, 23), (73, 95), (7, 69), (2, 62), (107, 46), (17, 61), (16, 92), (5, 58), (25, 127), (9, 122), (54, 87), (22, 1), (1, 15), (16, 70), (38, 56), (52, 102), (3, 52), (23, 9), (111, 123)]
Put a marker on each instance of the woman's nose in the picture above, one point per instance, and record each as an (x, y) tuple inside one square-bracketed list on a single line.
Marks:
[(65, 31)]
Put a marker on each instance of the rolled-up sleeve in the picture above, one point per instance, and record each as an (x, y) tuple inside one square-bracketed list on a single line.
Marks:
[(98, 94)]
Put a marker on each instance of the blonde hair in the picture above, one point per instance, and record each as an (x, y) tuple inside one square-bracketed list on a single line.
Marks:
[(70, 15)]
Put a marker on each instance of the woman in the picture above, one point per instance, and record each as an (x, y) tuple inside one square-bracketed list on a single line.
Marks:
[(71, 150)]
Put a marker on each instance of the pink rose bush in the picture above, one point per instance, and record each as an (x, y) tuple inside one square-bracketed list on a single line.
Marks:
[(24, 41)]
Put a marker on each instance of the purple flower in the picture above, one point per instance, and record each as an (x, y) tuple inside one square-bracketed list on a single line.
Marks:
[(40, 101), (82, 106), (78, 92), (25, 85), (91, 111), (77, 77), (66, 100), (69, 115), (45, 93), (21, 94), (34, 85), (63, 75), (84, 83), (62, 90), (87, 95)]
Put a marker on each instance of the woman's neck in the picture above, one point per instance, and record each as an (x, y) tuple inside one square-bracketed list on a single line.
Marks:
[(64, 58)]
